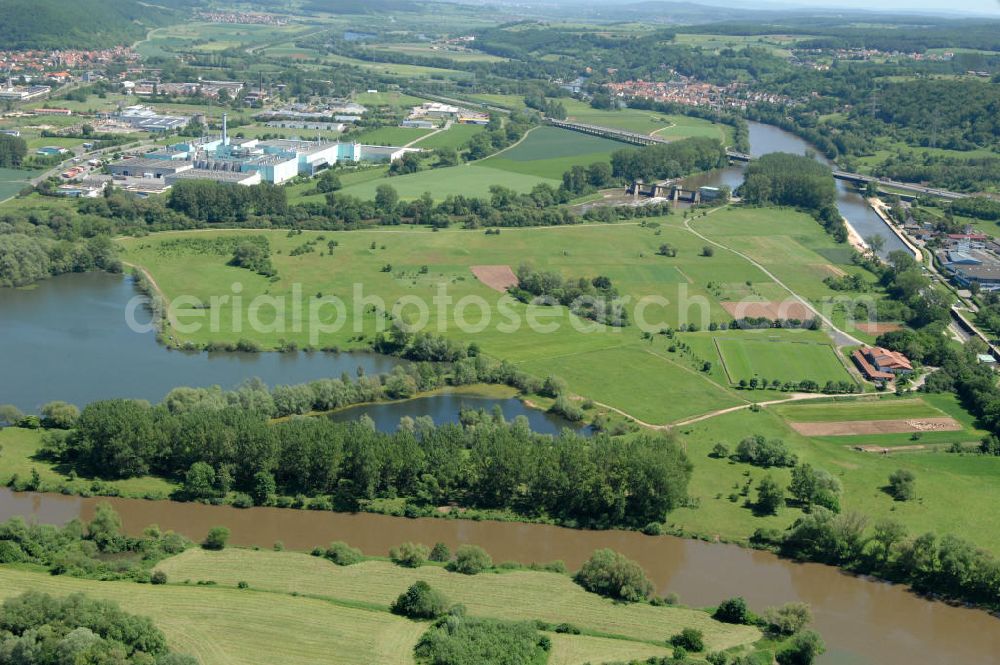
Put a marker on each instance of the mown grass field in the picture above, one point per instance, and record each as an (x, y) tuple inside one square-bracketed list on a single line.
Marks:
[(225, 626), (796, 250), (777, 359), (13, 181), (515, 595), (675, 385)]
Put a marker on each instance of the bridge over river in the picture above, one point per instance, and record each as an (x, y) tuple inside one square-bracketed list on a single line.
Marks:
[(637, 138)]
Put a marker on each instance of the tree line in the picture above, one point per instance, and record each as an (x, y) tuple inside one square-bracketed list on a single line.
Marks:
[(491, 464)]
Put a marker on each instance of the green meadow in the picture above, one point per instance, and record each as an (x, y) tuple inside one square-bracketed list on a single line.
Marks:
[(519, 595), (408, 262), (395, 136), (472, 179), (645, 122), (722, 511)]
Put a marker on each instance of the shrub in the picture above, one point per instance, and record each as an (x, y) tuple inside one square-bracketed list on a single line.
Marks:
[(343, 554), (158, 577), (787, 619), (440, 553), (689, 639), (611, 574), (470, 560), (802, 649), (902, 485), (733, 610), (410, 555), (420, 601), (216, 539)]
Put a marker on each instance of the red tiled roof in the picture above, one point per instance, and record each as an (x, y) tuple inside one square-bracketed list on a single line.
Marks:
[(886, 358), (866, 367)]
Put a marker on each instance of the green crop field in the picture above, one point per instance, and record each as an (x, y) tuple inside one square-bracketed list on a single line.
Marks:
[(784, 360), (548, 152), (225, 626), (515, 595)]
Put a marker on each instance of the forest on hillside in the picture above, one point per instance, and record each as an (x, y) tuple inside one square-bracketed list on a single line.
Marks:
[(54, 24)]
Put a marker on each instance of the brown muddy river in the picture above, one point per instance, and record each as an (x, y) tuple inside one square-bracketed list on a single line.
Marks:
[(863, 622)]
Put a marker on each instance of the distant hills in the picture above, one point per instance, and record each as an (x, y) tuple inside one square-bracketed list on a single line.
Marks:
[(51, 24)]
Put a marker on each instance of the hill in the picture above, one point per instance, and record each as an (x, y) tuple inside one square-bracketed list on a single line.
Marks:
[(51, 24)]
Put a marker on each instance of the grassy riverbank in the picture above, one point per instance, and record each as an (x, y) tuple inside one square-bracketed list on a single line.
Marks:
[(264, 607)]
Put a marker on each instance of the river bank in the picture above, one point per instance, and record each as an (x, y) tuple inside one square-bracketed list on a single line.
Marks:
[(864, 622)]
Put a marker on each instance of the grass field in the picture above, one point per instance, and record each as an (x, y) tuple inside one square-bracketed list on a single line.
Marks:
[(18, 451), (13, 181), (784, 360), (226, 626), (425, 50), (454, 137), (939, 507), (471, 179), (646, 122), (396, 136), (675, 384), (871, 409), (515, 595)]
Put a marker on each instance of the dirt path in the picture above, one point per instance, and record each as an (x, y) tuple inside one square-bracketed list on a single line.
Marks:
[(840, 338)]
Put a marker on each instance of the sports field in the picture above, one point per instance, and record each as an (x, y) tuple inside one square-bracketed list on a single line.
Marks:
[(780, 359)]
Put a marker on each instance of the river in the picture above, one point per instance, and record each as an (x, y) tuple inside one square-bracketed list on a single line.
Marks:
[(852, 205), (863, 622)]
